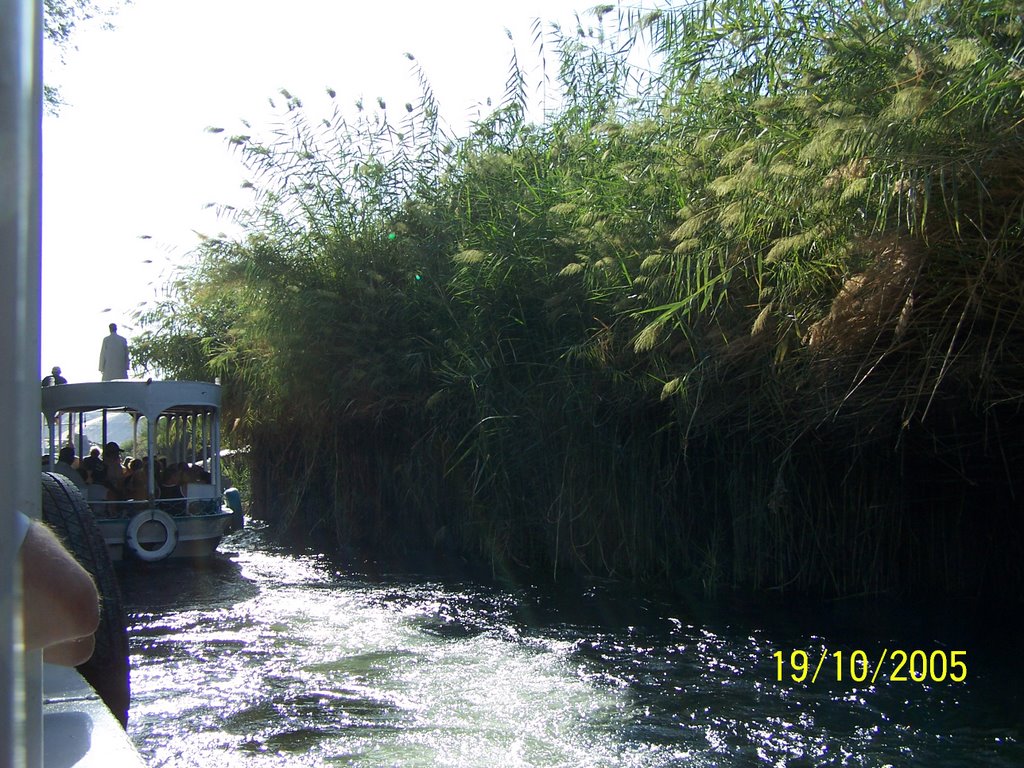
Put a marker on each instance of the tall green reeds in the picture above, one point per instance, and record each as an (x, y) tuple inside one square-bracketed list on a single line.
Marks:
[(745, 310)]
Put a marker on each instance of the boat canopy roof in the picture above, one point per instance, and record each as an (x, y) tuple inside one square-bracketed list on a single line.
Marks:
[(143, 398)]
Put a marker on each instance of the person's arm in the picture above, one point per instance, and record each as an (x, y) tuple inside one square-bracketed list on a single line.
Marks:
[(60, 603)]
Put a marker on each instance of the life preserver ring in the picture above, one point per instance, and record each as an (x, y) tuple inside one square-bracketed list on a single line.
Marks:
[(159, 517)]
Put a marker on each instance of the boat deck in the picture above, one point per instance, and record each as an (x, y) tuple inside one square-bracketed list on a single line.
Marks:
[(78, 729)]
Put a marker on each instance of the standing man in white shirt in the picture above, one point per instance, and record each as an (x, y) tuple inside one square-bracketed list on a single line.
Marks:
[(114, 356)]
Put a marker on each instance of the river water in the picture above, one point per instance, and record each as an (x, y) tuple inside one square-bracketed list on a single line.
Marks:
[(265, 657)]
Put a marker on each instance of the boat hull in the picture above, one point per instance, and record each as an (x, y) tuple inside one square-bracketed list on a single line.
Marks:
[(197, 535)]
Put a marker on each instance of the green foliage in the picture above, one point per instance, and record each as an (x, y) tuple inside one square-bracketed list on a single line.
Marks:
[(60, 19), (624, 339)]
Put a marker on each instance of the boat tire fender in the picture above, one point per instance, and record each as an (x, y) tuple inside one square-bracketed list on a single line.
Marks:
[(68, 515), (170, 541)]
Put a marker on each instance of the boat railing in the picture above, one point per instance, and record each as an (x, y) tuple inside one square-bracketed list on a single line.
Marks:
[(203, 501)]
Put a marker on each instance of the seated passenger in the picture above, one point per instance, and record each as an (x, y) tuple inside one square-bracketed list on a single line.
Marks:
[(170, 489), (173, 482), (136, 482), (113, 477), (54, 378), (92, 462), (67, 465), (95, 491)]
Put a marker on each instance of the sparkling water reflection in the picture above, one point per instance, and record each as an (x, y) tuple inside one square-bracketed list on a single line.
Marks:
[(268, 658)]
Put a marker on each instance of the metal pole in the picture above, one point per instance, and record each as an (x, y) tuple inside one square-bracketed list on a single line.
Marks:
[(52, 447), (216, 454), (154, 492), (207, 460), (20, 181)]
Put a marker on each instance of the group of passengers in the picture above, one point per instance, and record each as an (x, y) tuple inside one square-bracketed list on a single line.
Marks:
[(105, 476)]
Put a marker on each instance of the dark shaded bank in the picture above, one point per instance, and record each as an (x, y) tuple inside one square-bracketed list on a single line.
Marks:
[(925, 510)]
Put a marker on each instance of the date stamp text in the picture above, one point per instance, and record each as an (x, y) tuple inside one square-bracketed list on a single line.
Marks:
[(858, 666)]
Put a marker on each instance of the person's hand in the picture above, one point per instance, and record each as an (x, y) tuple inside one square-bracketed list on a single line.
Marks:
[(60, 604)]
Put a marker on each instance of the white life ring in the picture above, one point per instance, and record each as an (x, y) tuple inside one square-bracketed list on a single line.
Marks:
[(159, 517)]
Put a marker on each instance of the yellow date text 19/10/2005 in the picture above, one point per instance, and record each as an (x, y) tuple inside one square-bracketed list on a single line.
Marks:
[(896, 665)]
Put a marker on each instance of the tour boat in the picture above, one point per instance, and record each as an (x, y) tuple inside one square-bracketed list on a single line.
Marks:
[(186, 515)]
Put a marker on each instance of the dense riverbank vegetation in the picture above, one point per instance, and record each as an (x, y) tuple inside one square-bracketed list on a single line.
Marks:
[(749, 315)]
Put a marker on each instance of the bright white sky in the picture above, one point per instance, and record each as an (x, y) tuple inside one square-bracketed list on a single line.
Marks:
[(128, 155)]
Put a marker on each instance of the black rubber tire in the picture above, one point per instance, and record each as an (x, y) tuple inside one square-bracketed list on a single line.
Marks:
[(68, 515)]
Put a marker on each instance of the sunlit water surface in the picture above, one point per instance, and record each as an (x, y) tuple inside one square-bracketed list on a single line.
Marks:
[(264, 658)]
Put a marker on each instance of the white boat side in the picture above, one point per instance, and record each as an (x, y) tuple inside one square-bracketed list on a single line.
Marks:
[(78, 729)]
